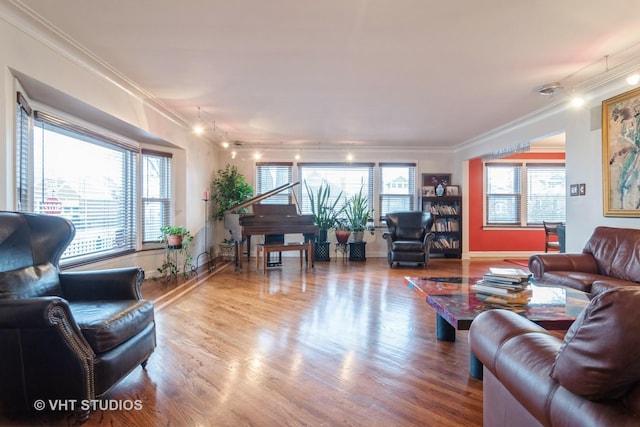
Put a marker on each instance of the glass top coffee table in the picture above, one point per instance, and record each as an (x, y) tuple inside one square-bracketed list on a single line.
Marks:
[(440, 285), (553, 308)]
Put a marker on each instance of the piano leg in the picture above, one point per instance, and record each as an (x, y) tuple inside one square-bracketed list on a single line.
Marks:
[(238, 255)]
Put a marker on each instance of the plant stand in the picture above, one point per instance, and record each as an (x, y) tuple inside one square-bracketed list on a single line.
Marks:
[(342, 248), (357, 251), (322, 251)]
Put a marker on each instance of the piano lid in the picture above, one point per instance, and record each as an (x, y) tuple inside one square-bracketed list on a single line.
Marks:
[(261, 197)]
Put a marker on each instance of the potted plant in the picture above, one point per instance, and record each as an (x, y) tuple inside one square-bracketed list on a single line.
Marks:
[(357, 213), (174, 235), (325, 211), (229, 189), (176, 238), (342, 231)]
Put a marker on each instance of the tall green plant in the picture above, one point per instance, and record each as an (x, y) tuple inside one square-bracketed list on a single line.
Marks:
[(357, 211), (229, 189), (324, 211)]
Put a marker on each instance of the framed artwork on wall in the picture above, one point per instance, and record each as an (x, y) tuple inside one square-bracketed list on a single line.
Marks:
[(435, 179), (620, 155)]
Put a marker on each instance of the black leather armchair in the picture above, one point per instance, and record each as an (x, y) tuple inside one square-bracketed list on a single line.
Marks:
[(64, 335), (409, 237)]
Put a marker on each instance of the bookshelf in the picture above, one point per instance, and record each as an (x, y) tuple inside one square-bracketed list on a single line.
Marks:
[(447, 224)]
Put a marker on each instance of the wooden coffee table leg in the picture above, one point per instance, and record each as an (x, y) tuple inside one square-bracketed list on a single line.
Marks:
[(444, 331)]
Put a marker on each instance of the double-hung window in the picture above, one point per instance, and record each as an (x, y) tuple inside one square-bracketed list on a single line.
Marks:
[(156, 193), (520, 194), (347, 178), (271, 175), (397, 187)]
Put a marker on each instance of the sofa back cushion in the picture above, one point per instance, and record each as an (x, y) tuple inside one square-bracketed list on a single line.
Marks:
[(30, 248), (600, 355), (616, 251), (409, 225)]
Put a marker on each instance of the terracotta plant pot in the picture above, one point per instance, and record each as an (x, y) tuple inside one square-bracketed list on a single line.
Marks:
[(342, 236), (174, 240)]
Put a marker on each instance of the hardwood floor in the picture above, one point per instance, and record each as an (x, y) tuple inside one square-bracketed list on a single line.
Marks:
[(346, 343)]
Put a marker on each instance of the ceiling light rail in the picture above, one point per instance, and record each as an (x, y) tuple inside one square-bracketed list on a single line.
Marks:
[(633, 77)]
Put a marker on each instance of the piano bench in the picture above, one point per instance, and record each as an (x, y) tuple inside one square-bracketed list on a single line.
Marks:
[(267, 248)]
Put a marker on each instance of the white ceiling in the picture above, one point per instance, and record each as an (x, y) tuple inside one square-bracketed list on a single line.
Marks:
[(406, 73)]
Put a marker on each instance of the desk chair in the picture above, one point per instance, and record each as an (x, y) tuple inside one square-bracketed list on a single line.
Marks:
[(551, 229)]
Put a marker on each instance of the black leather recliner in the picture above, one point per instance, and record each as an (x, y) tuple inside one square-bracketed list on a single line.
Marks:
[(64, 335), (409, 237)]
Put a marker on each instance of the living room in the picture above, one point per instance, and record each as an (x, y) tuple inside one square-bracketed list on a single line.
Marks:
[(61, 75)]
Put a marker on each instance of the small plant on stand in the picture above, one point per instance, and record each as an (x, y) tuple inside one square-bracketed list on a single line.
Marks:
[(176, 239)]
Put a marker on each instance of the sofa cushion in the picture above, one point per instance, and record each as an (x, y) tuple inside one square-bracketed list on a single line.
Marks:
[(30, 282), (106, 324), (408, 233), (572, 279), (616, 251), (599, 356), (407, 246), (607, 283)]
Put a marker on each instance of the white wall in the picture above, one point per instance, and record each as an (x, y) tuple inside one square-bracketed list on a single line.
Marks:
[(38, 57)]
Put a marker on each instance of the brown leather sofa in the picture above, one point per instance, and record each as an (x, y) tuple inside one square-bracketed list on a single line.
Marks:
[(409, 237), (610, 258), (591, 378), (64, 335)]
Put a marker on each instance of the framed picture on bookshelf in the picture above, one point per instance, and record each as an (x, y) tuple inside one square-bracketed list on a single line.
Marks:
[(435, 179), (452, 190), (429, 191)]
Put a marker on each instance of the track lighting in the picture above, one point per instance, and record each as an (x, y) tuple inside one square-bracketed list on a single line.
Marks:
[(198, 128)]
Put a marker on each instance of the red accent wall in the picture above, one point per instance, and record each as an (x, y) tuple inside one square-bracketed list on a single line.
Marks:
[(500, 240)]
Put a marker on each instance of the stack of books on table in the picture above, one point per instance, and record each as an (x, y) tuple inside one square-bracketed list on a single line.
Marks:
[(507, 286)]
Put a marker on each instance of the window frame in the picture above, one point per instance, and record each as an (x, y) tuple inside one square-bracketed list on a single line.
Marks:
[(325, 166), (262, 186), (411, 192), (524, 164), (165, 188), (132, 176)]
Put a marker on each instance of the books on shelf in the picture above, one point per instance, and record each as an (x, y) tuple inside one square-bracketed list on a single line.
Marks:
[(446, 224)]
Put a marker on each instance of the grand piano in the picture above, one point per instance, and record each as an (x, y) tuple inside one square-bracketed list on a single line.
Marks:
[(267, 219)]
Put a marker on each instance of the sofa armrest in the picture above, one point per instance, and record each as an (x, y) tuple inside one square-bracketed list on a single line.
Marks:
[(43, 313), (113, 284), (389, 238), (428, 238), (541, 263), (520, 355), (30, 312)]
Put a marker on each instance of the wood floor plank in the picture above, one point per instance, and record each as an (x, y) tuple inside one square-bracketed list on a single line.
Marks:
[(345, 343)]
